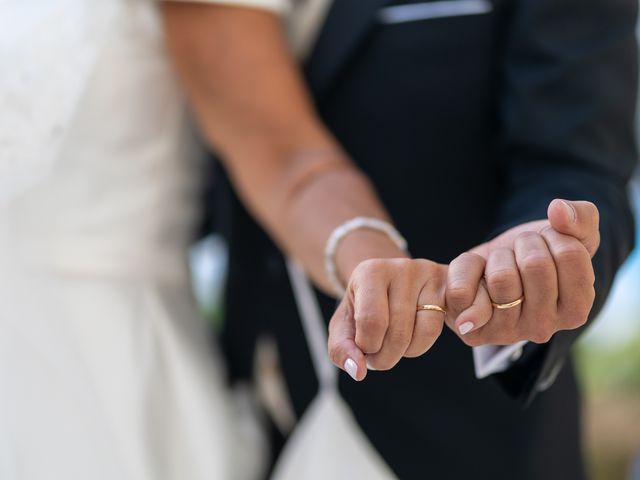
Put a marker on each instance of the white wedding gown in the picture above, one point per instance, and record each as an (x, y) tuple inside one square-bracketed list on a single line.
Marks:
[(105, 370)]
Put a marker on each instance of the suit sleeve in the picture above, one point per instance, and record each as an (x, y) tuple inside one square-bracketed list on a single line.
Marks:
[(567, 111)]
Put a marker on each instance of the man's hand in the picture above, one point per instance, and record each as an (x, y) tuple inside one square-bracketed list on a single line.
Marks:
[(547, 261)]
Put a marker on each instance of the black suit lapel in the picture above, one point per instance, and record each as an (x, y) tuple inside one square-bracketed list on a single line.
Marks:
[(347, 24)]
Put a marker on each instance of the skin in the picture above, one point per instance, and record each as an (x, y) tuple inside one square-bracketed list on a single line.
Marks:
[(547, 261), (253, 107)]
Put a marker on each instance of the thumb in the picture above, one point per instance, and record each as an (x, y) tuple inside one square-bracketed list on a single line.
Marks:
[(343, 351), (580, 220)]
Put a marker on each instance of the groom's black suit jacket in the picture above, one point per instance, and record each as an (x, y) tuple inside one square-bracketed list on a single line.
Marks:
[(467, 125)]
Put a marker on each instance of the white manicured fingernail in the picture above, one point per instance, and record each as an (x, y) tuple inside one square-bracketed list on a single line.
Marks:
[(465, 328), (369, 367), (570, 210), (351, 368)]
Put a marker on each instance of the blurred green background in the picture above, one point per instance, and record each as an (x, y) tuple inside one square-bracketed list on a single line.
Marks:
[(608, 361)]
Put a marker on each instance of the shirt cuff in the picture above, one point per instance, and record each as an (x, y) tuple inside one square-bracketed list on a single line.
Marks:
[(490, 359)]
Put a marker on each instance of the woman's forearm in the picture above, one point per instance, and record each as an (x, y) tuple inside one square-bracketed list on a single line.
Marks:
[(254, 109)]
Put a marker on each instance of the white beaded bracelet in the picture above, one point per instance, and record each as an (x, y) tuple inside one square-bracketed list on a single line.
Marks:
[(342, 231)]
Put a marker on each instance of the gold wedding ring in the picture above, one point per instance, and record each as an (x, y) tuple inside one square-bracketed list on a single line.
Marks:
[(431, 308), (505, 306)]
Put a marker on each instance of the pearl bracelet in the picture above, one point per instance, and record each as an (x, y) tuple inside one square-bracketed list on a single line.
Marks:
[(342, 231)]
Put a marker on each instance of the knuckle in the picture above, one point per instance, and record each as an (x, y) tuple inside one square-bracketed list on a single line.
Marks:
[(385, 366), (334, 354), (399, 338), (594, 213), (427, 335), (383, 363), (370, 330), (433, 330), (468, 260), (590, 297), (582, 283), (542, 333), (537, 263), (540, 337), (547, 229), (577, 314), (365, 268), (402, 264), (424, 265), (470, 257), (373, 263), (380, 267), (414, 352), (501, 252), (460, 294), (368, 344), (369, 320), (503, 280), (528, 236), (536, 337), (576, 318), (596, 242), (420, 347), (572, 253)]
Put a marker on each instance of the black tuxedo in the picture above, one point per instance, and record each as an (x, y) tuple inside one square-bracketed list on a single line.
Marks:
[(467, 125)]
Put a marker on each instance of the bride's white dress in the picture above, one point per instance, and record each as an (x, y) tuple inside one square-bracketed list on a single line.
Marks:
[(105, 370)]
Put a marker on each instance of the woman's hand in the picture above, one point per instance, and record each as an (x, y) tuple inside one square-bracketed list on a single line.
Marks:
[(377, 322)]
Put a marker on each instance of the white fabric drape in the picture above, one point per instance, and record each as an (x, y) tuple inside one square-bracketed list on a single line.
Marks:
[(105, 368)]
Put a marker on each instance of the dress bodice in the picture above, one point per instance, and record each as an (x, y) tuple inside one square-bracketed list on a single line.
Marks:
[(106, 369), (116, 193)]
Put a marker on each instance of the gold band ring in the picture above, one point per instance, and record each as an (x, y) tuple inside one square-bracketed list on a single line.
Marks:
[(505, 306), (431, 308)]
